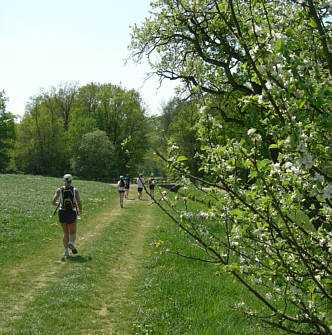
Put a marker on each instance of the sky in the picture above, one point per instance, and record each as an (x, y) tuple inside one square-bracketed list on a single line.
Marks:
[(46, 43)]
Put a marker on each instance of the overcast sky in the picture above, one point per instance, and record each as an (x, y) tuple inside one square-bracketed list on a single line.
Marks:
[(45, 43)]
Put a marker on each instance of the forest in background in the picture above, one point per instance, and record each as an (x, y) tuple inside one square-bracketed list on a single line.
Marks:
[(96, 131)]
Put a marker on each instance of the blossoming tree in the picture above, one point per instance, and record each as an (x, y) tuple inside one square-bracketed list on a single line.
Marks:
[(262, 71)]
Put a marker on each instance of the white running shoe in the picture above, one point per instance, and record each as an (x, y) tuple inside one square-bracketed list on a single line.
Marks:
[(66, 253)]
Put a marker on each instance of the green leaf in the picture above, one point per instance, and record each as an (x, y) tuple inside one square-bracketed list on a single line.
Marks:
[(237, 212), (312, 23), (182, 158), (302, 103), (273, 146)]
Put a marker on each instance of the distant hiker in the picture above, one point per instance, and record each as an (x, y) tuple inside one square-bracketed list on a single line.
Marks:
[(70, 207), (152, 183), (140, 183), (121, 188), (127, 186)]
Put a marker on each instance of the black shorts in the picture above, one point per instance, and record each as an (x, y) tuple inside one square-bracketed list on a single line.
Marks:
[(151, 187), (140, 189), (67, 216)]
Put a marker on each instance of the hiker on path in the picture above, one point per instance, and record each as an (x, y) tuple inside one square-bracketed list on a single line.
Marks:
[(152, 183), (140, 182), (127, 186), (68, 199), (122, 189)]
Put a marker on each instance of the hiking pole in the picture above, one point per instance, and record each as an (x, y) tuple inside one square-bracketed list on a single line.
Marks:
[(56, 209)]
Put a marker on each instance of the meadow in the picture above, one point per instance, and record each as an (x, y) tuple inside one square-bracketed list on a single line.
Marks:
[(27, 222), (121, 282)]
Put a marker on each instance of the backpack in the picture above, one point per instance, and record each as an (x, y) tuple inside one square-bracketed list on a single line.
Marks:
[(67, 198), (122, 183), (151, 181)]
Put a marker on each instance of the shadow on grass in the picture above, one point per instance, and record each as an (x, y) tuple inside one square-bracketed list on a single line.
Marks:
[(76, 259)]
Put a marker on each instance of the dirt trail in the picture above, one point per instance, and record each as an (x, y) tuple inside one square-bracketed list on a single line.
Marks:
[(29, 278), (122, 274)]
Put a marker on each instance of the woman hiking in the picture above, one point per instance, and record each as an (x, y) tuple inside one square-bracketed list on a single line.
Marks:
[(140, 184), (122, 189), (152, 183), (127, 186), (68, 199)]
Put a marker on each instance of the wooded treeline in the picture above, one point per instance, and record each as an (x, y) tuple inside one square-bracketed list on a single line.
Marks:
[(96, 131)]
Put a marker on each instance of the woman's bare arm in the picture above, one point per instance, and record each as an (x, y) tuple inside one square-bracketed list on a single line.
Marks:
[(56, 197), (78, 201)]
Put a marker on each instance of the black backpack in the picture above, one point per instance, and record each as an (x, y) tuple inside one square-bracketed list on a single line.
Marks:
[(67, 198)]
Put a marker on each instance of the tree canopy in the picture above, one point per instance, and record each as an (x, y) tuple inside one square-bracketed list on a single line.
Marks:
[(58, 126)]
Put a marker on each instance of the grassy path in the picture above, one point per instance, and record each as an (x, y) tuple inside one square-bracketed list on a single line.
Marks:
[(46, 294)]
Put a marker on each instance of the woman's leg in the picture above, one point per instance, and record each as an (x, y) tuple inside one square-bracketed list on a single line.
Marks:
[(69, 236), (121, 199), (72, 232), (65, 238)]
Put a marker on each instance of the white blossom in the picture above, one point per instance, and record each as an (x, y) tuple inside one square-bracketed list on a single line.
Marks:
[(203, 215), (318, 177), (242, 260), (268, 296), (259, 30), (327, 192), (295, 290), (307, 161), (202, 110), (311, 304), (304, 136), (301, 147), (288, 166), (251, 131), (275, 168), (186, 215), (257, 281)]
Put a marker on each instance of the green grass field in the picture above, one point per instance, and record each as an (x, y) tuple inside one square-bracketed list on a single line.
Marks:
[(121, 282)]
